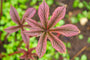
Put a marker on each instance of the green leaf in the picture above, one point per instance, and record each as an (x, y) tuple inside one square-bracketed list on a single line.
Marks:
[(80, 36), (69, 45), (80, 5), (36, 7), (88, 15), (56, 56), (75, 4), (49, 2), (83, 57), (76, 58), (85, 13), (88, 40), (60, 23), (86, 5), (74, 20), (33, 2), (23, 6), (79, 16)]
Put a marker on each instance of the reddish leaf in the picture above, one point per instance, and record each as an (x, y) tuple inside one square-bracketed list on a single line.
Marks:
[(29, 14), (12, 29), (14, 15), (56, 43), (43, 13), (23, 56), (34, 54), (57, 15), (68, 30), (33, 23), (30, 50), (41, 47), (25, 38), (34, 32)]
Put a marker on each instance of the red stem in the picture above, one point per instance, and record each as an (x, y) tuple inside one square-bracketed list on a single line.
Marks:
[(10, 54)]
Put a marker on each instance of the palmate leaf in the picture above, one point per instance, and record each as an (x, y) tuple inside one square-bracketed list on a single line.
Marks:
[(57, 43), (43, 13), (45, 30), (25, 38), (57, 15), (12, 29), (33, 23), (67, 30), (23, 56), (28, 14), (41, 47), (27, 54), (14, 15), (34, 32)]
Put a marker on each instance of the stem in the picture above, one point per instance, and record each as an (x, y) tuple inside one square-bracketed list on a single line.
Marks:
[(16, 36), (10, 54), (20, 44), (84, 48), (27, 45), (5, 39)]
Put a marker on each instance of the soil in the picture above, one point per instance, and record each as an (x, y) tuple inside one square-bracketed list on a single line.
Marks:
[(76, 44)]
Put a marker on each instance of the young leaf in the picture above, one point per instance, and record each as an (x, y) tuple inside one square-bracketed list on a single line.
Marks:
[(41, 47), (28, 14), (33, 23), (12, 29), (57, 43), (68, 30), (25, 38), (57, 15), (34, 32), (43, 13), (14, 15)]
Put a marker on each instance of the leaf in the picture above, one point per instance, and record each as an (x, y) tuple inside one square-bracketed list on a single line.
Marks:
[(28, 14), (23, 56), (25, 38), (67, 30), (41, 47), (33, 23), (56, 43), (43, 13), (83, 57), (34, 32), (12, 29), (57, 15), (34, 54), (30, 50), (14, 15)]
